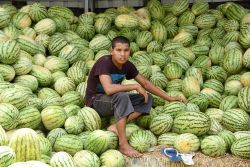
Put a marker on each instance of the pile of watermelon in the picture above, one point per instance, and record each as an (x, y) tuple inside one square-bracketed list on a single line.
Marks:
[(185, 49)]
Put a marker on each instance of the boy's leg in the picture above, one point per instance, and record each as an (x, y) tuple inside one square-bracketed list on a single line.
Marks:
[(124, 146)]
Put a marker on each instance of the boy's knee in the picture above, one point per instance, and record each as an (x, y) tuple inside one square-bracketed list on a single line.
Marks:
[(121, 95)]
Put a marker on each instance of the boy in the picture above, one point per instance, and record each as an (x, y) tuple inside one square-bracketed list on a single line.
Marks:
[(108, 97)]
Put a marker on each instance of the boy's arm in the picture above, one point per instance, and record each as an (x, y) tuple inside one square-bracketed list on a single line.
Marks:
[(111, 88), (149, 86)]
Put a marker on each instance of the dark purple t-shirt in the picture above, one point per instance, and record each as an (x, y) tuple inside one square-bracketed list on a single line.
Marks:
[(104, 65)]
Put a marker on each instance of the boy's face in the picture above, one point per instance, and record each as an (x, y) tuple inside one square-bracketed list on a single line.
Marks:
[(120, 53)]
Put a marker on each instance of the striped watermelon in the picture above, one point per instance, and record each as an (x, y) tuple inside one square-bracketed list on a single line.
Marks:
[(213, 146), (21, 140), (7, 156), (112, 158), (167, 139), (68, 143), (241, 147), (74, 125), (161, 123), (21, 20), (3, 137), (86, 158), (97, 138), (54, 134), (232, 61), (53, 117), (91, 119), (61, 11), (236, 120), (229, 102), (140, 140), (64, 84), (62, 159), (186, 143), (197, 123), (99, 42), (228, 137), (9, 52), (9, 116), (244, 99), (29, 117)]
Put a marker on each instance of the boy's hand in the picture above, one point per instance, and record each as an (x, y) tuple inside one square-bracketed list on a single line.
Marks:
[(143, 92), (178, 98)]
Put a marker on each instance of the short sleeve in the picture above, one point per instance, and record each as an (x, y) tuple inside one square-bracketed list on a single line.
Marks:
[(132, 71), (101, 68)]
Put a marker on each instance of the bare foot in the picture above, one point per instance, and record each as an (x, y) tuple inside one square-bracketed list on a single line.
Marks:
[(113, 128), (129, 151)]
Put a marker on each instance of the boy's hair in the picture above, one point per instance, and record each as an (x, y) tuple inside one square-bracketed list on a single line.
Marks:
[(120, 39)]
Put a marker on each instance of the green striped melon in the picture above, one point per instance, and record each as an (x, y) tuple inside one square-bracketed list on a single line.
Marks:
[(64, 84), (190, 86), (68, 143), (179, 7), (236, 120), (86, 158), (112, 158), (200, 50), (140, 140), (159, 80), (158, 31), (91, 119), (5, 17), (3, 137), (169, 20), (21, 20), (21, 140), (53, 117), (81, 88), (29, 117), (39, 59), (45, 146), (57, 42), (215, 127), (113, 140), (22, 66), (42, 74), (167, 139), (161, 123), (99, 42), (215, 113), (246, 58), (229, 102), (74, 125), (46, 92), (7, 156), (191, 107), (45, 26), (232, 87), (184, 37), (241, 134), (71, 109), (61, 11), (62, 159), (218, 73), (213, 146), (235, 11), (86, 31), (205, 21), (54, 134), (29, 32), (186, 53), (244, 99), (97, 138), (56, 75), (186, 143), (214, 84), (27, 81), (228, 137), (172, 71), (72, 97), (61, 23), (241, 147), (232, 61), (174, 108), (197, 123), (14, 96), (153, 46), (126, 21), (200, 100), (76, 74), (174, 85), (102, 25), (144, 38), (213, 97), (56, 64), (245, 79), (30, 45), (9, 52), (70, 53), (7, 72), (186, 18), (199, 7), (38, 12)]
